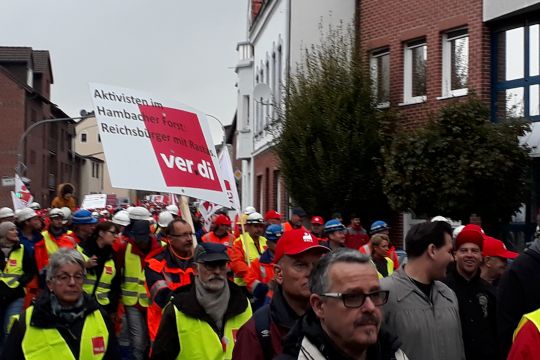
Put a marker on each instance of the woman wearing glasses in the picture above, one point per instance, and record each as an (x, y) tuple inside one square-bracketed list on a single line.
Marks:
[(63, 323), (102, 280)]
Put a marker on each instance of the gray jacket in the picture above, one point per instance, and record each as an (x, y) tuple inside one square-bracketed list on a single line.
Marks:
[(427, 329)]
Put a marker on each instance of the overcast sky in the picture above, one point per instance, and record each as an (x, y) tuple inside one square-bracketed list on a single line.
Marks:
[(180, 49)]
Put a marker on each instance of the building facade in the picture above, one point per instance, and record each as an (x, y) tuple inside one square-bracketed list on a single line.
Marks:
[(88, 145), (46, 152), (279, 31)]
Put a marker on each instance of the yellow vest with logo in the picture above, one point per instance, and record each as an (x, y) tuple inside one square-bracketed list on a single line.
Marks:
[(13, 270), (50, 244), (533, 317), (133, 289), (198, 341), (389, 267), (46, 344), (246, 239), (103, 287)]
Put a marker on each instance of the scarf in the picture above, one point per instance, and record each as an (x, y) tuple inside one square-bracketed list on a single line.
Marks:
[(214, 303), (67, 314)]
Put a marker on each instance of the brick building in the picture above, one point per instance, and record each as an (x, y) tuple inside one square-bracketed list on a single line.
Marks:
[(25, 83), (424, 54)]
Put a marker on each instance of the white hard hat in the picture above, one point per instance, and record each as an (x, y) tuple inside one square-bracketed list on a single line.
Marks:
[(34, 205), (254, 218), (164, 219), (172, 209), (139, 213), (6, 212), (456, 231), (441, 218), (67, 214), (25, 214), (56, 212), (121, 218), (249, 210), (129, 208), (95, 214)]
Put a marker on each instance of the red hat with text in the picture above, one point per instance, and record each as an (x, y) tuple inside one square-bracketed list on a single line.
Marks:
[(470, 234), (317, 220), (272, 214), (494, 247), (295, 242)]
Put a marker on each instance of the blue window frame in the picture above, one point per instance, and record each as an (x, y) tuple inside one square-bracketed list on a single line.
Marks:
[(516, 71)]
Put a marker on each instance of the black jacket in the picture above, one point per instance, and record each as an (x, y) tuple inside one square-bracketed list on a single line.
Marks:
[(7, 294), (477, 312), (90, 248), (518, 294), (42, 317), (310, 327), (167, 345)]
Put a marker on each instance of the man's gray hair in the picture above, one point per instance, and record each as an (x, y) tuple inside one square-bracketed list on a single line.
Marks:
[(63, 257), (318, 280)]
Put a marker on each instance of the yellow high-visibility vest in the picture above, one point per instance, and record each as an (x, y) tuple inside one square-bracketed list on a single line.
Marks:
[(14, 268), (389, 267), (533, 317), (103, 287), (46, 344), (253, 252), (198, 341), (133, 289)]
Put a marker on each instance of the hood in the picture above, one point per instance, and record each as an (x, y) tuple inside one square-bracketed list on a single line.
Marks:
[(61, 187)]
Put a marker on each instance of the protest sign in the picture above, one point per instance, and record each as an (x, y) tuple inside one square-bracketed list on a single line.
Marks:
[(21, 197), (94, 201), (156, 144)]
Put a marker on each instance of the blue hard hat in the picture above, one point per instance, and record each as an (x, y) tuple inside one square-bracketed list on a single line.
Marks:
[(378, 226), (83, 216), (333, 225), (273, 232)]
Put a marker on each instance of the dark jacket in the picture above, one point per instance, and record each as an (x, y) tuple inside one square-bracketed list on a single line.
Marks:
[(518, 294), (282, 319), (309, 327), (90, 248), (167, 345), (477, 306), (7, 294), (43, 317)]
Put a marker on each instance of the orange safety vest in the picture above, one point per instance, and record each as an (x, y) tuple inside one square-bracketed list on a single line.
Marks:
[(154, 310), (211, 237)]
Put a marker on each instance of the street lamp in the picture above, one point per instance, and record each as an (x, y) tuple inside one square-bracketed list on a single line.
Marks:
[(19, 168), (224, 140)]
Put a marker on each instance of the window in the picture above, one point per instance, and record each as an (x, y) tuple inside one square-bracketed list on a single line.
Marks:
[(455, 63), (516, 76), (380, 76), (83, 137), (278, 76), (414, 89), (277, 192)]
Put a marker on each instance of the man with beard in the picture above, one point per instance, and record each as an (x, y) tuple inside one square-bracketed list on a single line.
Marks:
[(202, 318), (296, 221), (476, 297), (167, 269), (344, 321)]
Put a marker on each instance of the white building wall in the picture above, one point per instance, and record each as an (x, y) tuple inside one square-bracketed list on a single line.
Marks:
[(90, 184), (497, 8)]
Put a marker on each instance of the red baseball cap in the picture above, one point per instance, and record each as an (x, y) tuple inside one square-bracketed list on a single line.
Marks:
[(317, 220), (272, 214), (470, 234), (295, 242), (222, 220), (494, 247)]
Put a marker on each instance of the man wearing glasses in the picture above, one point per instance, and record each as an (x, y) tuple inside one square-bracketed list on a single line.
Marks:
[(202, 318), (169, 269), (421, 310), (344, 321)]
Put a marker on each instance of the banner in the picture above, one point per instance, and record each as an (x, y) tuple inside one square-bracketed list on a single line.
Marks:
[(156, 144), (207, 210), (229, 179), (21, 197), (94, 201)]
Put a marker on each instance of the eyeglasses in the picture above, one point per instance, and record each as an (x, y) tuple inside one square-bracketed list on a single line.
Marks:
[(356, 300), (183, 235), (66, 278)]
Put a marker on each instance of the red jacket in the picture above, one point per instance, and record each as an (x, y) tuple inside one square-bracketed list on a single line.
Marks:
[(526, 343)]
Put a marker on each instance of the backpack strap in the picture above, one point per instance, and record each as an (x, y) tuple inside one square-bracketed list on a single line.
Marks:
[(262, 327)]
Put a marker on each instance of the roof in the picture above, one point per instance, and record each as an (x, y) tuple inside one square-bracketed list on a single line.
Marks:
[(15, 54), (42, 62)]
